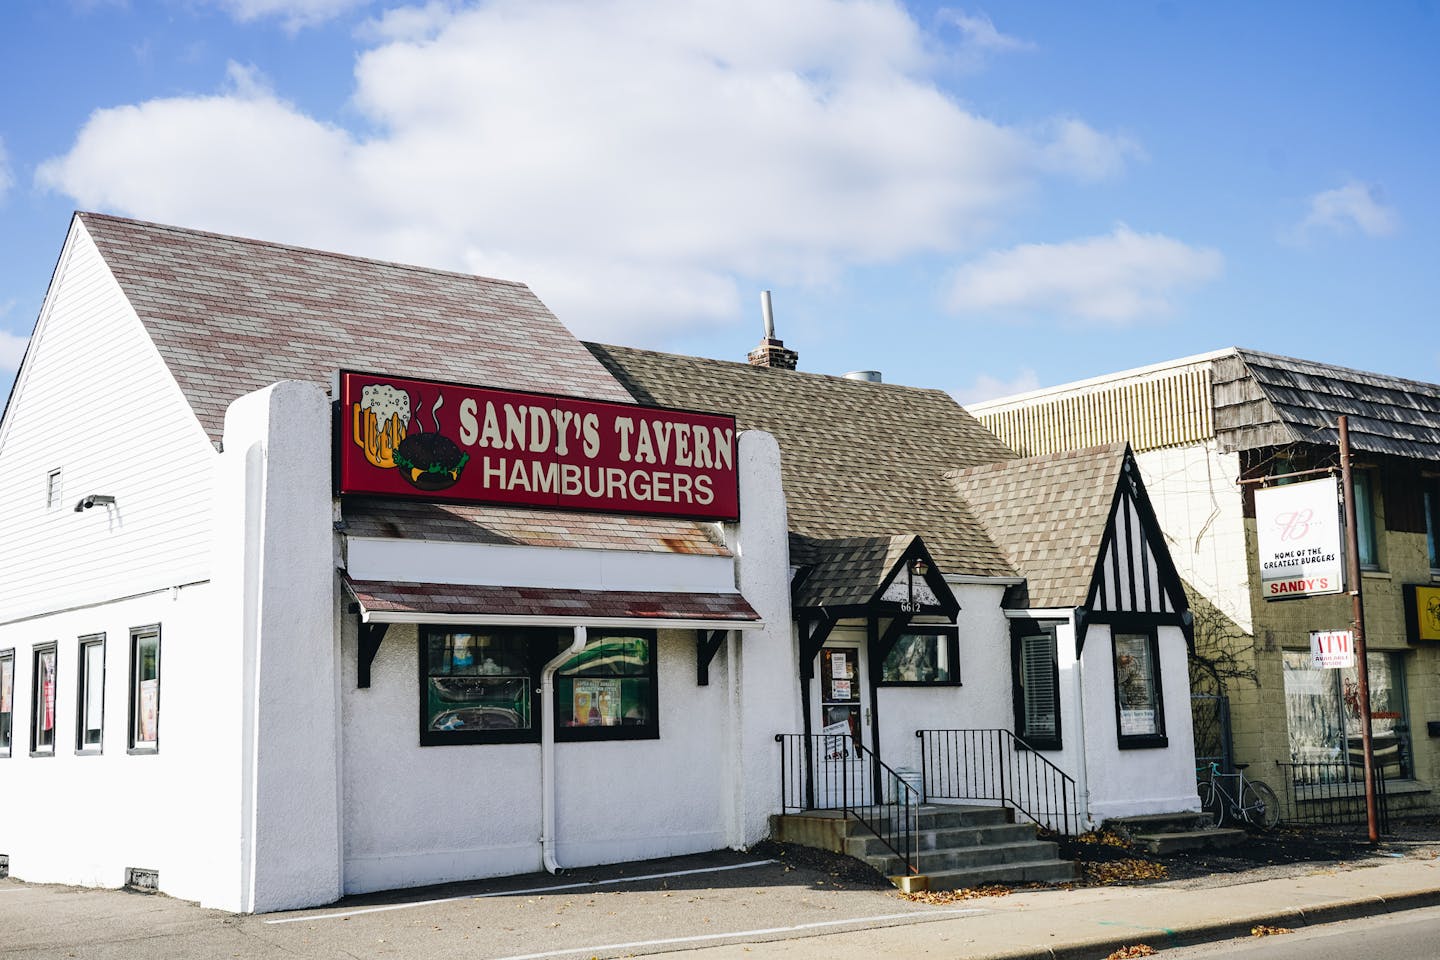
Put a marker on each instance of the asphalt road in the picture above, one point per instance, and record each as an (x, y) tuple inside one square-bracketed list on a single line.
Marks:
[(1413, 935)]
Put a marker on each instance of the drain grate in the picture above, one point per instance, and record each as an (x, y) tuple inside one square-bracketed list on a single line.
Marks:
[(141, 879)]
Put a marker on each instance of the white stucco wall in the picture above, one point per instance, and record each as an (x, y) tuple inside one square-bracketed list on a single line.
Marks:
[(1192, 490), (1123, 783)]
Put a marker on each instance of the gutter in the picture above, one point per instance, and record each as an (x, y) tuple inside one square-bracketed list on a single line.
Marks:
[(547, 749)]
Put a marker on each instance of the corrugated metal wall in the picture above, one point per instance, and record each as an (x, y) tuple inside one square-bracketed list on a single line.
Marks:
[(1168, 409)]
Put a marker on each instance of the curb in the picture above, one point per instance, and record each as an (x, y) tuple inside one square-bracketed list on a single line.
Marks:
[(1198, 933)]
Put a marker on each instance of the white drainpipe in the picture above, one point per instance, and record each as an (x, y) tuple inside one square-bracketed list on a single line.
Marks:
[(547, 749)]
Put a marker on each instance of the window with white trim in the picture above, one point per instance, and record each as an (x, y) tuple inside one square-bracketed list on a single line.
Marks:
[(145, 690), (54, 490), (90, 695), (7, 700), (42, 701)]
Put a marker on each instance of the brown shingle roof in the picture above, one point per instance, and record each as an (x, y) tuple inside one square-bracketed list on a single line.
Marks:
[(534, 528), (382, 597), (859, 459), (231, 315), (1049, 515), (849, 572)]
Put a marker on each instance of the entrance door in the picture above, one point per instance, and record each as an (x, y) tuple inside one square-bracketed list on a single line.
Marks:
[(844, 724)]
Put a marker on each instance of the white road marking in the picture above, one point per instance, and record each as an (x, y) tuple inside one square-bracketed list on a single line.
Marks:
[(768, 931), (516, 893)]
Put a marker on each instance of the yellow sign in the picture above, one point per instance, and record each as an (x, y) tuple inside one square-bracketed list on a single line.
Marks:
[(1423, 607)]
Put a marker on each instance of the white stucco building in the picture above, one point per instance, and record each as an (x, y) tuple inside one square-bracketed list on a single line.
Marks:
[(221, 670)]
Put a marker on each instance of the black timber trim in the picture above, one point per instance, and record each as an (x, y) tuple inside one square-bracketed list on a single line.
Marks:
[(813, 633), (370, 636), (1129, 486), (705, 649), (1132, 623), (875, 606)]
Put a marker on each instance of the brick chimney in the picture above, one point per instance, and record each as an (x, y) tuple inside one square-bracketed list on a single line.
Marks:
[(771, 352)]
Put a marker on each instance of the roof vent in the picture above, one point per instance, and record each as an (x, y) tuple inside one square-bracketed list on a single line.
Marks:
[(864, 376), (771, 352)]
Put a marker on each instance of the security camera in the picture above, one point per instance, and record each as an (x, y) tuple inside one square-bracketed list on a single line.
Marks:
[(95, 498)]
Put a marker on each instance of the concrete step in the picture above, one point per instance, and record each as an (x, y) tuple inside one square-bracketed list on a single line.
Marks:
[(971, 858), (862, 844), (1158, 823), (938, 816), (1211, 838), (1040, 871)]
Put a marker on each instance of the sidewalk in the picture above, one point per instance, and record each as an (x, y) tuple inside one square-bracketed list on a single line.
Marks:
[(1090, 923)]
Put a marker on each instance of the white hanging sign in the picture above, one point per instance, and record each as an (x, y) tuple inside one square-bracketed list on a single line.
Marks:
[(1297, 528), (1332, 649)]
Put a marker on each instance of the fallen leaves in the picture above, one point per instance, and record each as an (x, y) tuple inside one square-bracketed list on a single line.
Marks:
[(1264, 931), (942, 897), (1129, 953), (1104, 838), (1124, 871)]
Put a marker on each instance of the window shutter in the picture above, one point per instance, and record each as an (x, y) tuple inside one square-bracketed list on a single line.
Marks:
[(1037, 678)]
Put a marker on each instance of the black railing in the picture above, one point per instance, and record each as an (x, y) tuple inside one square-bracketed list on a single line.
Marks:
[(1329, 794), (996, 765), (837, 772)]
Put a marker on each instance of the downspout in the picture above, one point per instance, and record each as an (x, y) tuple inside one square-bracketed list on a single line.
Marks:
[(547, 749)]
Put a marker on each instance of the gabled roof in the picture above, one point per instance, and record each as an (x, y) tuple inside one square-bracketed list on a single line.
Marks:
[(871, 574), (231, 315), (1048, 514), (859, 459), (1264, 400)]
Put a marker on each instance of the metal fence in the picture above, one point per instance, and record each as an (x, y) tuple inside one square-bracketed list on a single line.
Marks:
[(1329, 794)]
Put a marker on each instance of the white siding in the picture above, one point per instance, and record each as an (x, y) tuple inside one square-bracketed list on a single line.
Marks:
[(95, 400)]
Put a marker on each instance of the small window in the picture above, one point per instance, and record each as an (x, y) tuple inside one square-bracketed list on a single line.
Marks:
[(42, 702), (1364, 483), (90, 695), (7, 700), (1037, 683), (54, 491), (145, 690), (1432, 521), (1139, 708), (923, 655), (480, 685), (608, 690)]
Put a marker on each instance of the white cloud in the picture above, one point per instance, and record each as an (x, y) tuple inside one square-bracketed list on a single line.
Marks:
[(635, 161), (1355, 206), (7, 177), (986, 387), (1119, 278), (980, 35), (295, 14)]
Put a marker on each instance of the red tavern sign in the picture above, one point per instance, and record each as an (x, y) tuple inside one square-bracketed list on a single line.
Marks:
[(424, 440)]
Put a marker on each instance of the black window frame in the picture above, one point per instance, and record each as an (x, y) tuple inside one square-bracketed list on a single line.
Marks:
[(650, 729), (82, 674), (951, 632), (537, 652), (37, 706), (1430, 506), (1142, 741), (1022, 629), (1368, 526), (8, 731), (134, 745)]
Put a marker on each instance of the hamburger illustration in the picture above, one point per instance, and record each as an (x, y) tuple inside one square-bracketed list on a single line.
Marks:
[(429, 461)]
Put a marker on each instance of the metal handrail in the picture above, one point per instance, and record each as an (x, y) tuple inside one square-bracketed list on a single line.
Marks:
[(996, 765), (816, 774)]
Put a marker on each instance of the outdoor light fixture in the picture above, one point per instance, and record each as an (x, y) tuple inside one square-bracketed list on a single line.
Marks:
[(919, 567), (93, 500)]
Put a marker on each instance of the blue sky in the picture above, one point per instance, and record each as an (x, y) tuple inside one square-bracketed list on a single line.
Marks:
[(979, 198)]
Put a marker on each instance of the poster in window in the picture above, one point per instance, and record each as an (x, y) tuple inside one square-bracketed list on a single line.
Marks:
[(1137, 723), (7, 684), (149, 709), (840, 690), (597, 702), (47, 690), (836, 745)]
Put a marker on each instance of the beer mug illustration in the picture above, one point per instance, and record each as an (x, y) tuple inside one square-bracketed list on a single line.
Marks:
[(380, 421)]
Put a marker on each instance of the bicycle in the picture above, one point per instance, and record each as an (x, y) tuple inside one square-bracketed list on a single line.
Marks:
[(1252, 800)]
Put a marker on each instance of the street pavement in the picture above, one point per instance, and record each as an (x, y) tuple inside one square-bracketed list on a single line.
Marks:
[(722, 905)]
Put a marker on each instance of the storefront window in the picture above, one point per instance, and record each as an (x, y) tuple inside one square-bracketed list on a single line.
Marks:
[(1138, 706), (479, 684), (7, 700), (607, 691), (1037, 684), (1365, 518), (145, 690), (1322, 708), (923, 655), (42, 702), (1432, 520), (90, 695)]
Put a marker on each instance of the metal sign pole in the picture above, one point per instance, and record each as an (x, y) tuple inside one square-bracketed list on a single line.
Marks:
[(1352, 573)]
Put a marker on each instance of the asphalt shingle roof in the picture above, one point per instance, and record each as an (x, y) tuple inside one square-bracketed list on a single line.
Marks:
[(859, 459), (1048, 514), (849, 572)]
